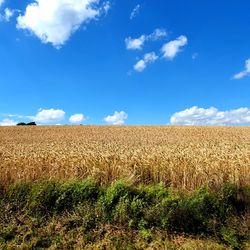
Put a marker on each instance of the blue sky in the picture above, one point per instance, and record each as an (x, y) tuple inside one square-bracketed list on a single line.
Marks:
[(125, 62)]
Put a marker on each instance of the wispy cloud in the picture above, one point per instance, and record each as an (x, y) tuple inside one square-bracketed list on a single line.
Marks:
[(6, 16), (135, 11), (8, 122), (172, 48), (157, 35), (148, 58), (106, 6), (244, 72), (211, 116), (1, 2), (195, 55), (138, 43)]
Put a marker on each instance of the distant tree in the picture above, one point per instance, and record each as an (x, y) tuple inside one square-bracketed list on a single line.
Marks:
[(31, 124), (26, 124), (21, 124)]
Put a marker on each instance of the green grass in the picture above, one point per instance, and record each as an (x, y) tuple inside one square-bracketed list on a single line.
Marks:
[(122, 216)]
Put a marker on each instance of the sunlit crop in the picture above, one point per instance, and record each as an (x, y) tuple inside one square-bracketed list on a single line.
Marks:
[(183, 157)]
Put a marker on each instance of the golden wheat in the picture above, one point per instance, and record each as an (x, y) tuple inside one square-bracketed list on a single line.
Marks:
[(186, 157)]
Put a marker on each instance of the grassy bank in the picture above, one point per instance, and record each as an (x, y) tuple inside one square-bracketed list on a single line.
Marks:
[(82, 214)]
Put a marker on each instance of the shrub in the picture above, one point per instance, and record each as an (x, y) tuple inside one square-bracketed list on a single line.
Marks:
[(72, 194), (43, 197), (119, 191), (17, 195)]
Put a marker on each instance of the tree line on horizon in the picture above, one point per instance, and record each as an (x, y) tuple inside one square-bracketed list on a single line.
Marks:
[(26, 124)]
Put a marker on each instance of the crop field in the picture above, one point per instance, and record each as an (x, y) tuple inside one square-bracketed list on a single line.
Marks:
[(124, 187), (183, 157)]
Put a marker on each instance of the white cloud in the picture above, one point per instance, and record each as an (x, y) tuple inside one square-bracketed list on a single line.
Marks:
[(243, 73), (135, 11), (140, 66), (7, 122), (172, 48), (138, 43), (54, 21), (77, 118), (1, 2), (48, 115), (211, 116), (195, 55), (157, 34), (15, 115), (118, 118), (143, 63), (8, 13), (106, 6)]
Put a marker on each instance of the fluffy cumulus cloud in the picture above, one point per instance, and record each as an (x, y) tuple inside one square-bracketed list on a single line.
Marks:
[(118, 118), (135, 11), (211, 116), (172, 48), (48, 115), (7, 122), (138, 43), (143, 63), (77, 118), (245, 72), (54, 21)]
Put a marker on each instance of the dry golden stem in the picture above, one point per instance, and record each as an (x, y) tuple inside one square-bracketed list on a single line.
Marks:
[(184, 157)]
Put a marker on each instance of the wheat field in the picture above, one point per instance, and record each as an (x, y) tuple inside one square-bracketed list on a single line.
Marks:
[(183, 157)]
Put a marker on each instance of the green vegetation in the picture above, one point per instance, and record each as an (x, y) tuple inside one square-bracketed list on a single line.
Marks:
[(26, 124), (84, 214)]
